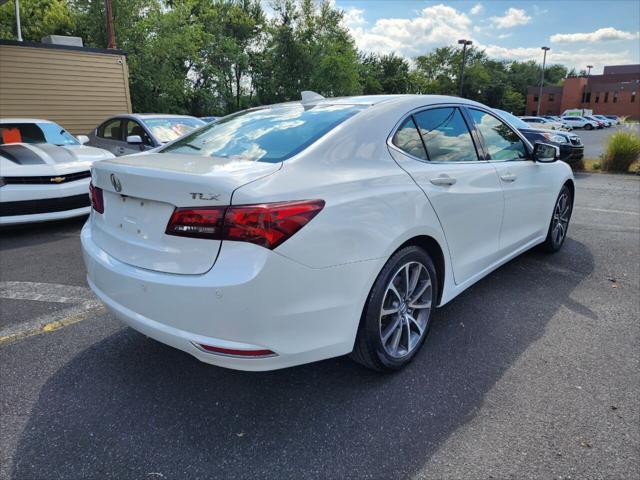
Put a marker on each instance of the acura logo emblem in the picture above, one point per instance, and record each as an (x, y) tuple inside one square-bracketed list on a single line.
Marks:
[(116, 183)]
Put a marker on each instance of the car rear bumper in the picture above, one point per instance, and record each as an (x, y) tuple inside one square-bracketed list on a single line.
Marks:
[(253, 299)]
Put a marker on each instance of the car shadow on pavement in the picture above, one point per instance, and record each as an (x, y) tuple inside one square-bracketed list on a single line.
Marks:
[(30, 234), (128, 407)]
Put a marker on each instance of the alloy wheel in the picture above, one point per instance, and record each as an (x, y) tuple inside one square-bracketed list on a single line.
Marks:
[(406, 308), (560, 221)]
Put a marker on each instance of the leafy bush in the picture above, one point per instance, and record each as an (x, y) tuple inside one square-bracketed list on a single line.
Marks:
[(622, 150)]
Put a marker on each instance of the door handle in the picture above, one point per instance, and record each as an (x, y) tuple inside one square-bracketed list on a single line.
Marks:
[(508, 177), (443, 180)]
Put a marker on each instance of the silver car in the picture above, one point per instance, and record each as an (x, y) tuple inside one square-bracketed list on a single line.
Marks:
[(134, 133)]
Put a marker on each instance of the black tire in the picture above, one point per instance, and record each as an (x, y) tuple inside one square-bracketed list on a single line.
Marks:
[(588, 126), (369, 349), (554, 242)]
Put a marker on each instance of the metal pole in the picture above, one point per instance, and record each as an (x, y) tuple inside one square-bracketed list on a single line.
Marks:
[(544, 60), (589, 67), (111, 34), (18, 26), (464, 44)]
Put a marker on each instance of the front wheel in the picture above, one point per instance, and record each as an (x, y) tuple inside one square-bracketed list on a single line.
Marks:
[(588, 126), (397, 315), (559, 221)]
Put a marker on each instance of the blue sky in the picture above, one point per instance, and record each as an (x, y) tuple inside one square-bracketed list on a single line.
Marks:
[(580, 33)]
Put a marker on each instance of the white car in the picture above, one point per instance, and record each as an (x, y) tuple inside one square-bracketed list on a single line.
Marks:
[(580, 122), (44, 171), (297, 232), (540, 122)]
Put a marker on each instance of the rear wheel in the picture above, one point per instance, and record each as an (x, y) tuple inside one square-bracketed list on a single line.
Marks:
[(559, 221), (397, 315)]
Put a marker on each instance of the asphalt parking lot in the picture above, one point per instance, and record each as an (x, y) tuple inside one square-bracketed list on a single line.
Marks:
[(595, 141), (534, 372)]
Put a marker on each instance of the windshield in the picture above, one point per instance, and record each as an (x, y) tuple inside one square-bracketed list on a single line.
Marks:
[(36, 133), (512, 119), (268, 135), (167, 129)]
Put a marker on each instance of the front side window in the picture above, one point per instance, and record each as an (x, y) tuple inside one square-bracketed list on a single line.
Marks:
[(166, 129), (408, 139), (446, 135), (134, 128), (111, 130), (501, 142), (271, 134)]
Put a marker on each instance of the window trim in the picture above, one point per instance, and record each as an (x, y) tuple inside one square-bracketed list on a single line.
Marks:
[(527, 144), (415, 111)]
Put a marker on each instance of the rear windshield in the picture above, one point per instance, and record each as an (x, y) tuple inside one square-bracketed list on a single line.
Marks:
[(267, 135), (36, 133)]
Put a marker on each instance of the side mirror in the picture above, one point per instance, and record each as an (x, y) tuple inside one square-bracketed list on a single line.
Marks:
[(545, 153), (83, 139), (134, 139)]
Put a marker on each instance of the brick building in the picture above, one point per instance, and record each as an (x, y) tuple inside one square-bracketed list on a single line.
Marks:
[(615, 92)]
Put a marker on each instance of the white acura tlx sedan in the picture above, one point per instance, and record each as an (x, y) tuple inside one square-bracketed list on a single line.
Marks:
[(296, 232)]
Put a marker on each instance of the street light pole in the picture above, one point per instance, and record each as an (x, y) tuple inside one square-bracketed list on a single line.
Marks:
[(464, 44), (18, 26), (589, 67), (544, 60)]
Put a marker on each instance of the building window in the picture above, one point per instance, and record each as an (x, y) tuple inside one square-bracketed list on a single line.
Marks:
[(597, 98), (587, 97), (615, 97), (535, 98), (633, 97), (551, 96), (606, 97)]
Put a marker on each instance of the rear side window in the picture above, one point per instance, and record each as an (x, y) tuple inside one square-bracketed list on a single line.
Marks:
[(408, 139), (111, 130), (501, 142), (267, 135), (446, 135)]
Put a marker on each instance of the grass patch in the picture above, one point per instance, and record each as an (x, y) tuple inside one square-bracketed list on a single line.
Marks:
[(623, 150), (595, 165)]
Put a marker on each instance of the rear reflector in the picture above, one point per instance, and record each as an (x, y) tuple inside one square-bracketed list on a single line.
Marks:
[(97, 200), (237, 353), (266, 224)]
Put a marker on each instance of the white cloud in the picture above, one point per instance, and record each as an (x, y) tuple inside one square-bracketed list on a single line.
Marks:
[(435, 26), (476, 9), (600, 35), (511, 18), (353, 17)]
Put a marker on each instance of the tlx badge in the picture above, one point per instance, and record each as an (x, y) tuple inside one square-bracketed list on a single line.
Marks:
[(204, 196)]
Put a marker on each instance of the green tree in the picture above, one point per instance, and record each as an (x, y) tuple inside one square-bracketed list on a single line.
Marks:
[(38, 19)]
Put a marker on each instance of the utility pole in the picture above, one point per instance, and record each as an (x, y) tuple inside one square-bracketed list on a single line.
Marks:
[(108, 16), (464, 44), (18, 26), (544, 61), (589, 67)]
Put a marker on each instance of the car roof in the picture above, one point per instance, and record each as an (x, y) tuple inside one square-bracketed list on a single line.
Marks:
[(24, 120), (142, 116)]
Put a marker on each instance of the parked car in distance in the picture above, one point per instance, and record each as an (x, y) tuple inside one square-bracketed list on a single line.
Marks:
[(306, 230), (614, 118), (570, 144), (210, 119), (555, 118), (607, 121), (580, 122), (540, 122), (44, 171), (132, 133), (597, 121)]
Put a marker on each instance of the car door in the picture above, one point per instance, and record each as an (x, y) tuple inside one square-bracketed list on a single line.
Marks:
[(109, 136), (526, 185), (132, 127), (435, 146)]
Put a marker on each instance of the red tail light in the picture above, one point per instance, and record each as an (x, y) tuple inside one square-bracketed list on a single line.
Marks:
[(97, 200), (267, 224)]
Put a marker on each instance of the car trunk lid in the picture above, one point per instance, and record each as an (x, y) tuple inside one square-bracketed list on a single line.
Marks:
[(141, 192)]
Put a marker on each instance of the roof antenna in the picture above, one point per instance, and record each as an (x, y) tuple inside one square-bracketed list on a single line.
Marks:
[(309, 97)]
